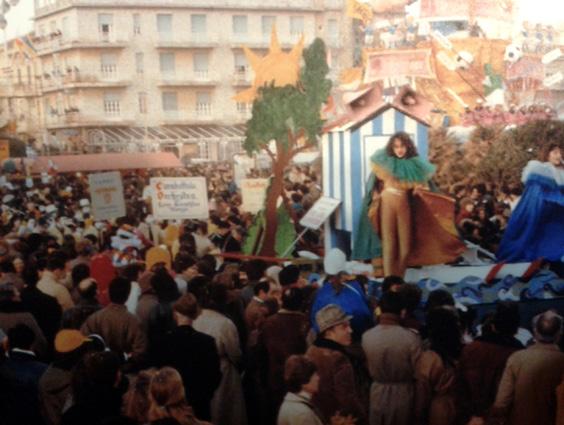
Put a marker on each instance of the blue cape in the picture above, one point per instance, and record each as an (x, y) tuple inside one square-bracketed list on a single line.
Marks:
[(536, 227)]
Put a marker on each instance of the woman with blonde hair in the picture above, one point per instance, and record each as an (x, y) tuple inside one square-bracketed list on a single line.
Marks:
[(136, 401), (168, 399)]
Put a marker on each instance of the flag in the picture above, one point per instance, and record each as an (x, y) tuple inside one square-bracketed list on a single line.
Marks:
[(361, 11), (26, 47)]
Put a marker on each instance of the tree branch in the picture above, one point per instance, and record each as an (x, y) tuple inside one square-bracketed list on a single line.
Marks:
[(270, 153)]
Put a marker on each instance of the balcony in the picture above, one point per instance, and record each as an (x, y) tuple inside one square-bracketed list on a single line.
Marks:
[(78, 119), (194, 41), (195, 78), (242, 77), (18, 90), (49, 45), (287, 5), (107, 77), (244, 110)]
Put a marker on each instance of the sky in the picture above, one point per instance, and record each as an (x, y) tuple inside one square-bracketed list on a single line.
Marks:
[(544, 11)]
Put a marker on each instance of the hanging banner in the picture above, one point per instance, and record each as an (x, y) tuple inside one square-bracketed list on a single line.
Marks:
[(253, 192), (106, 193), (319, 213), (178, 198), (4, 149), (394, 64)]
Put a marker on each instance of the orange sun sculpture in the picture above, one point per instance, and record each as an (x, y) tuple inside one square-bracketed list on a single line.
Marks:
[(277, 67)]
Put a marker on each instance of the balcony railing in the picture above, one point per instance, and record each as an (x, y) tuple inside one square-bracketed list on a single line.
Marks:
[(169, 40), (107, 76), (203, 109)]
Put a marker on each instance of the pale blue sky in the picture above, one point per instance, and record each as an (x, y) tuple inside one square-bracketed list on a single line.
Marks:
[(544, 11)]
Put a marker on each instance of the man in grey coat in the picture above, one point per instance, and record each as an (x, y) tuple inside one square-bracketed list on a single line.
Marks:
[(392, 352)]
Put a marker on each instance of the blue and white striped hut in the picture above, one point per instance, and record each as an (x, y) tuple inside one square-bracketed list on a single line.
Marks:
[(347, 146)]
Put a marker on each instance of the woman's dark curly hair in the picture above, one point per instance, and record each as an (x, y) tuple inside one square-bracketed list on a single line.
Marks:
[(406, 141), (545, 151)]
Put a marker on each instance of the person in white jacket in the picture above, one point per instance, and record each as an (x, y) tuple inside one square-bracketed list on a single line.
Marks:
[(302, 382)]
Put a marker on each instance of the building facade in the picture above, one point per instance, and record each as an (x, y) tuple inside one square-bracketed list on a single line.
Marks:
[(136, 74)]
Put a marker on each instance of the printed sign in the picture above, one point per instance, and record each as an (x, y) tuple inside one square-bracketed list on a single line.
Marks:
[(253, 192), (394, 64), (106, 192), (553, 79), (178, 198), (319, 213)]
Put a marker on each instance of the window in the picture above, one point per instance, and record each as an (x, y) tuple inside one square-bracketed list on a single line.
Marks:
[(199, 24), (240, 25), (332, 32), (170, 102), (108, 65), (142, 100), (136, 23), (241, 64), (65, 26), (139, 62), (201, 64), (111, 104), (268, 23), (105, 25), (167, 63), (164, 26), (296, 25), (204, 151), (203, 103)]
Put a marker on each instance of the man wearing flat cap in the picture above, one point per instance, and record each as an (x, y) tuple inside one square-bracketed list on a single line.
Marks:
[(339, 392)]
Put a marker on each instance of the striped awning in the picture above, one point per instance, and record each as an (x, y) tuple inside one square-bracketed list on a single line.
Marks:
[(173, 133)]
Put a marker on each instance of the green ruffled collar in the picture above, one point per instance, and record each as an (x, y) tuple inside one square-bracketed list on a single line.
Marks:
[(415, 169)]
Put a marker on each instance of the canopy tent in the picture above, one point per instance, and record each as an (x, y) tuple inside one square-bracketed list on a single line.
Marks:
[(105, 162)]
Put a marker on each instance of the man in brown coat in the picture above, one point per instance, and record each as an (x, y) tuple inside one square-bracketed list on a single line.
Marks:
[(120, 329), (283, 334), (257, 311), (339, 393), (527, 391)]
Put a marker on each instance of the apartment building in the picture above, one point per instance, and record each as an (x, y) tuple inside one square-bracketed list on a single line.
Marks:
[(144, 74), (19, 88)]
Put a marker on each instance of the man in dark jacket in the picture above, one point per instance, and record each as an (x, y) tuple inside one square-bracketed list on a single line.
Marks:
[(20, 375), (194, 355), (44, 308), (283, 334), (482, 362)]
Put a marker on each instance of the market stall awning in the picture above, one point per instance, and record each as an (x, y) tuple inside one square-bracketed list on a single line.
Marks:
[(105, 162)]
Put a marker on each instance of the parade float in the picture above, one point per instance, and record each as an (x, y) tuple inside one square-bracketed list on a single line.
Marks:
[(411, 75)]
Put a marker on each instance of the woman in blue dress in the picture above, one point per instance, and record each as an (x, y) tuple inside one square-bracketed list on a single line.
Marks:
[(536, 227)]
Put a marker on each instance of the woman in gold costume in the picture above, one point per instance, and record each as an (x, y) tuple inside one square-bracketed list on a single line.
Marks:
[(402, 220)]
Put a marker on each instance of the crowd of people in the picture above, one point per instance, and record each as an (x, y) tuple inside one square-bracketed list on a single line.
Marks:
[(253, 343), (485, 115), (137, 321), (483, 211)]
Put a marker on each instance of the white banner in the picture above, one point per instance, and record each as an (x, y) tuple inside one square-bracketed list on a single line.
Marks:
[(253, 192), (319, 213), (106, 192), (178, 198)]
